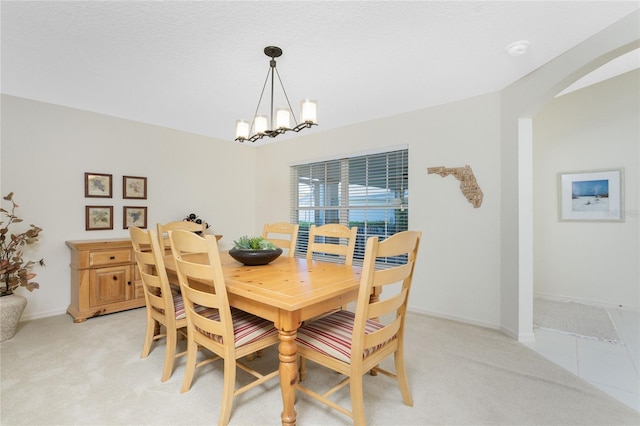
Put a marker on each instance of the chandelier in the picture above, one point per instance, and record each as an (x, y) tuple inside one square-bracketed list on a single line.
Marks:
[(266, 126)]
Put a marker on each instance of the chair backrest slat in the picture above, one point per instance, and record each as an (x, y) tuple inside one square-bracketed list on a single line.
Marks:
[(392, 275), (390, 304), (383, 335)]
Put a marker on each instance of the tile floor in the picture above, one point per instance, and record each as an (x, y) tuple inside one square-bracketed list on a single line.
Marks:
[(614, 368)]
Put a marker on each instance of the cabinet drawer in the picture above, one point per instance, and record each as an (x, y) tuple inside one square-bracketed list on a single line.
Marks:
[(109, 257)]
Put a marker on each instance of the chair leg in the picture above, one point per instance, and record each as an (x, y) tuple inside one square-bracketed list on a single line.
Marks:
[(357, 399), (190, 367), (169, 354), (302, 369), (228, 389), (255, 354), (148, 337), (403, 381)]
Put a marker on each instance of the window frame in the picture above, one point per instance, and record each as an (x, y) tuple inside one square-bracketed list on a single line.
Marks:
[(343, 206)]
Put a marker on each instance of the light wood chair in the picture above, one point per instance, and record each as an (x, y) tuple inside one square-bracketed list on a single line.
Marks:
[(335, 239), (184, 225), (275, 232), (353, 344), (164, 307), (229, 333), (336, 234)]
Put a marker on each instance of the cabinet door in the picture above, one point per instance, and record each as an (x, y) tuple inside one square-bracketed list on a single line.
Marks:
[(110, 285)]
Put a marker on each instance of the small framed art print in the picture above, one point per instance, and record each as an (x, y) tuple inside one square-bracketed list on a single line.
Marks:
[(134, 187), (134, 216), (592, 196), (98, 218), (98, 185)]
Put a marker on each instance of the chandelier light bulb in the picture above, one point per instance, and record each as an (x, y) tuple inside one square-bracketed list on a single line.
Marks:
[(242, 129), (309, 111), (261, 124), (283, 118)]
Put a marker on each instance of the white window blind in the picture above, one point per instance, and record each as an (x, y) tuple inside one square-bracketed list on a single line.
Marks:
[(369, 191)]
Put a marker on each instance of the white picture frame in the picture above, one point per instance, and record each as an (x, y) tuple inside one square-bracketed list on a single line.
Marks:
[(592, 196)]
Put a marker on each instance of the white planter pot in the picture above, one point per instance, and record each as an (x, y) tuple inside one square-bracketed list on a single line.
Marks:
[(11, 308)]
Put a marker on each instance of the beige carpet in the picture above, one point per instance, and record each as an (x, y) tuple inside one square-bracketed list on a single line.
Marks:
[(55, 372), (591, 322)]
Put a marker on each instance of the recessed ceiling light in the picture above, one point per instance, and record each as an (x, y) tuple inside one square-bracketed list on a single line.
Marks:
[(518, 48)]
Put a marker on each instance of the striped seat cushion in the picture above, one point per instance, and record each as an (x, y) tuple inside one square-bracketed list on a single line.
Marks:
[(247, 328), (178, 307), (332, 335)]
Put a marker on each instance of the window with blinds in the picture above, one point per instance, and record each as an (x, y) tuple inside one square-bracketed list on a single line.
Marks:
[(369, 191)]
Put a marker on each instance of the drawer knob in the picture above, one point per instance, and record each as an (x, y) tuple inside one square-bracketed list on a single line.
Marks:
[(112, 257), (115, 278)]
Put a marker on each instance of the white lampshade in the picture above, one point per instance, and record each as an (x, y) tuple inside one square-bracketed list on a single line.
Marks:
[(260, 124), (283, 118), (242, 129), (309, 111)]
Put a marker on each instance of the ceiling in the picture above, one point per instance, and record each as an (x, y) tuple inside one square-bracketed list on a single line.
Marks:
[(199, 66)]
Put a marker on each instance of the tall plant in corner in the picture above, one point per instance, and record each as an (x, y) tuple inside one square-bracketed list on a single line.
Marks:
[(14, 271)]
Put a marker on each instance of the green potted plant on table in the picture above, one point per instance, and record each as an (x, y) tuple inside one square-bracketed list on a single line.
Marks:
[(14, 271), (253, 251)]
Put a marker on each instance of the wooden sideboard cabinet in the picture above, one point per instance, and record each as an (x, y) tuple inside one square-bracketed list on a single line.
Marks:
[(104, 278)]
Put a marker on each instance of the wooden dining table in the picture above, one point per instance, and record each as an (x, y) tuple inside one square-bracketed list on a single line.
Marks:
[(286, 291)]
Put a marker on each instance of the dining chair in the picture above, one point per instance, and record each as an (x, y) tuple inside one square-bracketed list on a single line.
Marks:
[(184, 225), (354, 343), (330, 239), (275, 233), (229, 333), (164, 307)]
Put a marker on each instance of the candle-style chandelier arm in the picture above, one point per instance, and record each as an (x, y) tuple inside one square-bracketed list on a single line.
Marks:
[(262, 127)]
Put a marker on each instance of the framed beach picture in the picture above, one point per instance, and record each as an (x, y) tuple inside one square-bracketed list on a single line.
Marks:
[(97, 185), (98, 218), (134, 187), (134, 216), (592, 196)]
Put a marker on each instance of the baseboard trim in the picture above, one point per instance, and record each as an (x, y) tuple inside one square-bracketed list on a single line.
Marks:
[(520, 337), (43, 315), (455, 318)]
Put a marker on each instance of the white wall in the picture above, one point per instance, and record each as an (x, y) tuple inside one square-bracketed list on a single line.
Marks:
[(46, 149), (457, 273), (593, 128), (520, 102)]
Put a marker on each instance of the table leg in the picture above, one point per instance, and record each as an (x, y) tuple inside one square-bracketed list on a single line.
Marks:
[(288, 375)]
